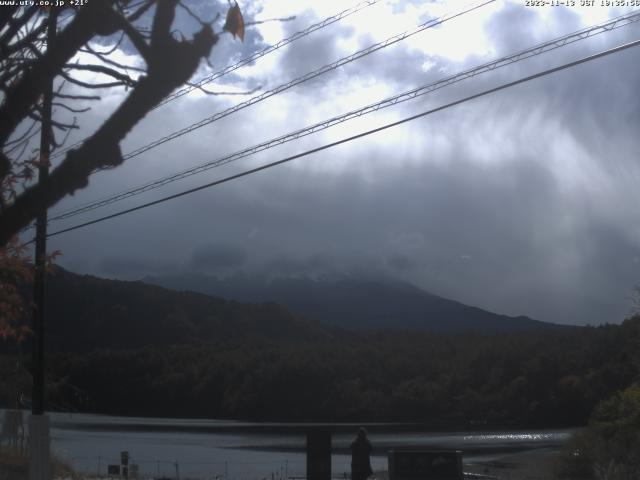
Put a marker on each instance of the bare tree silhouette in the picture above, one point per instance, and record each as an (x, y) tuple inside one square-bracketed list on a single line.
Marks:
[(28, 65)]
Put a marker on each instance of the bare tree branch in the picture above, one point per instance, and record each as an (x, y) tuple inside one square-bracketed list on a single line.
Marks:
[(108, 61), (70, 109), (89, 20), (268, 20), (16, 24), (54, 123), (193, 15), (6, 14), (122, 77), (141, 11), (212, 92), (134, 35), (23, 42), (5, 166), (66, 137), (76, 97), (23, 136), (22, 146), (170, 64), (113, 48), (80, 83)]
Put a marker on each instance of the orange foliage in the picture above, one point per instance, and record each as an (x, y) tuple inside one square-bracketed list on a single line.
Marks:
[(234, 23), (15, 272)]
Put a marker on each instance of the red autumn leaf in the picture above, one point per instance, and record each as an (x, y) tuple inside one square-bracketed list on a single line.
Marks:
[(234, 23)]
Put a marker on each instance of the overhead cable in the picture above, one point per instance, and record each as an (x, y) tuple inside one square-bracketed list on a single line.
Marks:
[(302, 79), (252, 58), (388, 102), (271, 48), (353, 137)]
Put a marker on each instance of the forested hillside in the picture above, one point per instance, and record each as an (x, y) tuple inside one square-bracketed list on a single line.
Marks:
[(86, 312), (133, 349), (542, 379)]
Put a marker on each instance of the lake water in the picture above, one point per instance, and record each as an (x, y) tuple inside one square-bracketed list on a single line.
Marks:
[(228, 450)]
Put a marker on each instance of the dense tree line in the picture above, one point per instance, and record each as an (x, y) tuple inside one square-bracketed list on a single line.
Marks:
[(85, 313), (609, 448), (535, 379)]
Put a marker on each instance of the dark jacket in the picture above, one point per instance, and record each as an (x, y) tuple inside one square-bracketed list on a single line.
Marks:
[(360, 462)]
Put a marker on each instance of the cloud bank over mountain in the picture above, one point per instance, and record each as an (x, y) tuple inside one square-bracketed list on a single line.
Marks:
[(522, 202)]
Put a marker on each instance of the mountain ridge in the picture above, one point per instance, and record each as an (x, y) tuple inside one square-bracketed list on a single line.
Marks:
[(353, 303), (85, 312)]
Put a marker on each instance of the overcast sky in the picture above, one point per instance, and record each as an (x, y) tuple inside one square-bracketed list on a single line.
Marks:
[(524, 202)]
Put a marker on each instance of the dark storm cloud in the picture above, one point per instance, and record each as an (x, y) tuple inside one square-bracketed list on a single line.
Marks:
[(396, 65), (313, 264), (515, 28), (132, 267), (504, 236), (321, 264), (313, 51), (400, 262), (522, 202), (216, 257)]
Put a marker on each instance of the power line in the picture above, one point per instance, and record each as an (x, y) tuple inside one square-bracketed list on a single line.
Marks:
[(252, 58), (304, 78), (272, 48), (388, 102), (354, 137)]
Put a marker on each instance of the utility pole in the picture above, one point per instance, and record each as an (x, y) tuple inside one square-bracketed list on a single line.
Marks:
[(39, 452)]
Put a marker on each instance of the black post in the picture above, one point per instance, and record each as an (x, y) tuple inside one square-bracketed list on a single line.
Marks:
[(41, 237), (39, 450), (319, 454)]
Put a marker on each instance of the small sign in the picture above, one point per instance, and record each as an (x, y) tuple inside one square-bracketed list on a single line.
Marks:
[(425, 465), (113, 470)]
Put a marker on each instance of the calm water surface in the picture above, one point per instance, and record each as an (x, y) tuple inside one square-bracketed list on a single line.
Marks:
[(227, 450)]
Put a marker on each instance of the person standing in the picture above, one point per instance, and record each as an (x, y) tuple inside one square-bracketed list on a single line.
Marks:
[(360, 456)]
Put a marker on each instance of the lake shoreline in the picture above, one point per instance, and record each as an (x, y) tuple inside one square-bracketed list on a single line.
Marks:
[(137, 422), (538, 463), (208, 448)]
